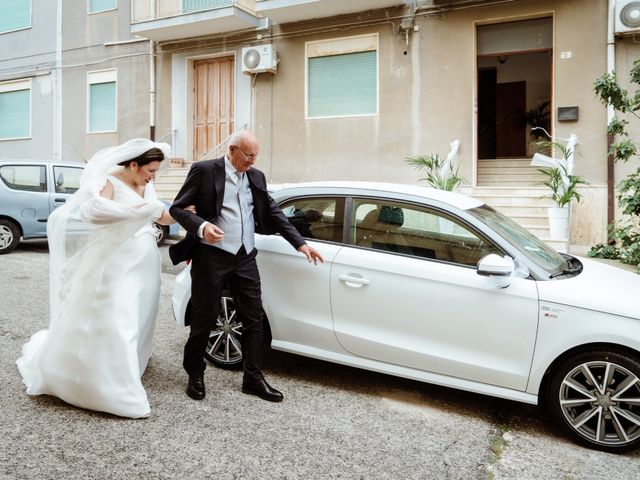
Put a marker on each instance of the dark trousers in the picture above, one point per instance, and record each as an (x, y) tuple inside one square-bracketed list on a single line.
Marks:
[(211, 269)]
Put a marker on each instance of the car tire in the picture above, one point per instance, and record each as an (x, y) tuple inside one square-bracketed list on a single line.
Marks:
[(9, 236), (162, 232), (595, 396)]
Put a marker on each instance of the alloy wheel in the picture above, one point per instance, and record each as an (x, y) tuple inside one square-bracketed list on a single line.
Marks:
[(224, 348), (600, 401)]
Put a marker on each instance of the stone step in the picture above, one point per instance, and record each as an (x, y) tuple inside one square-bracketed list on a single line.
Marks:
[(499, 174), (505, 162), (170, 176), (558, 245), (499, 202), (164, 186), (523, 170), (506, 182), (527, 219), (508, 191), (540, 231)]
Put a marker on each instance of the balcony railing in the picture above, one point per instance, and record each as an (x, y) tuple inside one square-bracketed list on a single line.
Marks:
[(149, 10)]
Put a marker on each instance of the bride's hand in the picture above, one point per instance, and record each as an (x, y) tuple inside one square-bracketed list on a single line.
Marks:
[(191, 208)]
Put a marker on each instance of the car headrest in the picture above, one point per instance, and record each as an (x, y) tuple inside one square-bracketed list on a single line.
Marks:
[(391, 215)]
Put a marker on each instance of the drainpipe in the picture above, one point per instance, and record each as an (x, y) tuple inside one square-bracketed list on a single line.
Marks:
[(611, 65), (152, 91), (57, 93)]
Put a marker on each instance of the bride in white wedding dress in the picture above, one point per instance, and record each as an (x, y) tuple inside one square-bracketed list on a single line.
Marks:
[(104, 286)]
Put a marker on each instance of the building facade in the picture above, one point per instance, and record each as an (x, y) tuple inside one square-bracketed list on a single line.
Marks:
[(334, 89), (28, 79), (359, 86), (73, 78)]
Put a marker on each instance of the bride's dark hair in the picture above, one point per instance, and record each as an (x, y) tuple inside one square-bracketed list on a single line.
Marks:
[(151, 155)]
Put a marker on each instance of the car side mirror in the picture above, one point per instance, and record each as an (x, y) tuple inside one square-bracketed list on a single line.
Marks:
[(495, 266)]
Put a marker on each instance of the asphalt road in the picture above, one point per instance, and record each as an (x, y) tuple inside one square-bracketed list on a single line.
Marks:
[(335, 422)]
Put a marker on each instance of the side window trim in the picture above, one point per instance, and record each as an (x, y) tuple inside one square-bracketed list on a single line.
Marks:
[(350, 217)]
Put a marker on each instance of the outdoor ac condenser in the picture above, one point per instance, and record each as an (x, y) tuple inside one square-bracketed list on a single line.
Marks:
[(258, 59), (627, 17)]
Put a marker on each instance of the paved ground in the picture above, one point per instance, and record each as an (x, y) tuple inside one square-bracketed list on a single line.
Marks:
[(335, 422)]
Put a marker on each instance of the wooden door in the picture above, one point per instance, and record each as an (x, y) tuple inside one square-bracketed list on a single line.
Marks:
[(510, 128), (214, 107), (487, 113)]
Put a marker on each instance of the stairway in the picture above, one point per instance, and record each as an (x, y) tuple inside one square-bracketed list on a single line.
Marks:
[(513, 187), (168, 182), (508, 172)]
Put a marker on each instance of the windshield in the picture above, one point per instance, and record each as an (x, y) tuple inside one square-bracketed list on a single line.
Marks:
[(530, 245)]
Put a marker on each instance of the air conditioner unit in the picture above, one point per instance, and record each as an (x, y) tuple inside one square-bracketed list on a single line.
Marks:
[(258, 59), (627, 16)]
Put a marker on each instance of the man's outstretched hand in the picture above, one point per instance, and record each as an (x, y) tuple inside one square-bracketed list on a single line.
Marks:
[(311, 254)]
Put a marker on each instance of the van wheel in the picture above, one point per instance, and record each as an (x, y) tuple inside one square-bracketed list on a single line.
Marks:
[(9, 236)]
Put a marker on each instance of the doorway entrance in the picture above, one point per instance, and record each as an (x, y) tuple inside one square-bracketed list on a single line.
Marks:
[(514, 80), (214, 103)]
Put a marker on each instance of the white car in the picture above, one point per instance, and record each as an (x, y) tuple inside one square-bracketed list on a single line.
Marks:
[(439, 287)]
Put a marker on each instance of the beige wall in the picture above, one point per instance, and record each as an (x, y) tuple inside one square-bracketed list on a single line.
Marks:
[(426, 98)]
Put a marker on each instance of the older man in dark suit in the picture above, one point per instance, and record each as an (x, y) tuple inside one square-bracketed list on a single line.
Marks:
[(232, 204)]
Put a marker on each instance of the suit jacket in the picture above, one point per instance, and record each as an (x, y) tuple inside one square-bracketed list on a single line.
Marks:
[(204, 188)]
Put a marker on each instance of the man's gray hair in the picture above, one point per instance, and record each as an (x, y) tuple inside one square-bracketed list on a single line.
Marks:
[(235, 139)]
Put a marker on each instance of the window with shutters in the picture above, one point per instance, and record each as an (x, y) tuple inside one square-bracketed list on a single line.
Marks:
[(15, 110), (15, 15), (101, 101), (97, 6), (342, 77)]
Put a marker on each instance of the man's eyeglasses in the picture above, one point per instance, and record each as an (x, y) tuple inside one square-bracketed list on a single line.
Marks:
[(250, 156)]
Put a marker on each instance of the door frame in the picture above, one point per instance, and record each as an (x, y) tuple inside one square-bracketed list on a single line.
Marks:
[(189, 102), (474, 90)]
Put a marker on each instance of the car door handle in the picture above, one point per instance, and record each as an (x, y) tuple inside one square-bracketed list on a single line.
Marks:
[(62, 200), (355, 282)]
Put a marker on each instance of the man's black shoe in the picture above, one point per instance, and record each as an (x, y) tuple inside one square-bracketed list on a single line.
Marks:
[(195, 388), (262, 389)]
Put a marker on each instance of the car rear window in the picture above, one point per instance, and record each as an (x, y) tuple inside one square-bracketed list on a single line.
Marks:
[(30, 178)]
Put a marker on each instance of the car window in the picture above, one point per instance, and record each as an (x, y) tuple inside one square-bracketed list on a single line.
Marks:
[(418, 231), (67, 179), (319, 218), (31, 178)]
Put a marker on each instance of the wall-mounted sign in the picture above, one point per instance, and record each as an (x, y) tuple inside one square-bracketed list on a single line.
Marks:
[(567, 114)]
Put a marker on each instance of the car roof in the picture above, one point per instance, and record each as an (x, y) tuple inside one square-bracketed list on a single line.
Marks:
[(457, 200), (36, 161)]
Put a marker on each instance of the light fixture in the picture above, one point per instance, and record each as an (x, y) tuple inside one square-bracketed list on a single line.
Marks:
[(502, 59)]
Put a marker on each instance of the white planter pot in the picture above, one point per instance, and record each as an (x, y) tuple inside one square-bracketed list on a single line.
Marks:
[(559, 222)]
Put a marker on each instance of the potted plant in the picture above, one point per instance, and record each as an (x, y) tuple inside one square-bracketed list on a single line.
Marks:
[(539, 118), (562, 183), (441, 173)]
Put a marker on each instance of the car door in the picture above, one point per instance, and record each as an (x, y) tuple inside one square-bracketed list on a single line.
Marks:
[(65, 182), (295, 293), (29, 199), (406, 292)]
